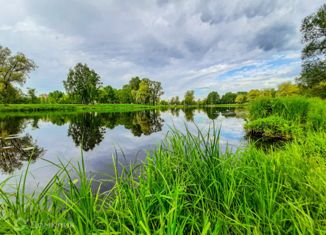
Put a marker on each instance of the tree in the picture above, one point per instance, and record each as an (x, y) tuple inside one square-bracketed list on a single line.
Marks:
[(134, 83), (14, 69), (253, 94), (56, 97), (213, 98), (240, 99), (175, 100), (31, 94), (228, 98), (313, 30), (156, 91), (189, 97), (82, 84), (134, 86), (287, 89), (124, 95), (144, 93), (107, 94)]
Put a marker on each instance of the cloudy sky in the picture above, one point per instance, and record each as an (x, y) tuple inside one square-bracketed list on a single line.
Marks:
[(203, 45)]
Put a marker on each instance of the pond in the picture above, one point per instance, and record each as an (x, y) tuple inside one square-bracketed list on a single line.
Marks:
[(99, 137)]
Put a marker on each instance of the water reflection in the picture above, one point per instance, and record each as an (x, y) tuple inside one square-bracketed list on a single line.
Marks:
[(89, 130), (14, 147), (86, 130)]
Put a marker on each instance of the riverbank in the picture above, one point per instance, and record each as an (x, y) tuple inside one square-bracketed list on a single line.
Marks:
[(190, 186), (23, 109), (96, 107)]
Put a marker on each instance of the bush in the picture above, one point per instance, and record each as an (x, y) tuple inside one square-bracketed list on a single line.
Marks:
[(271, 128)]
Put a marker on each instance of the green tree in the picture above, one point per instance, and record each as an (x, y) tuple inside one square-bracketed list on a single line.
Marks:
[(56, 97), (313, 73), (287, 89), (134, 83), (228, 98), (156, 91), (31, 96), (213, 98), (253, 94), (241, 98), (14, 69), (124, 95), (134, 86), (82, 84), (107, 94), (175, 100), (268, 93), (144, 94), (189, 97)]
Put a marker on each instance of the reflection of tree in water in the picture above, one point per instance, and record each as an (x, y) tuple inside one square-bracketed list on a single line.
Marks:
[(189, 114), (86, 130), (14, 148), (175, 111), (144, 122), (148, 122), (11, 126), (212, 113)]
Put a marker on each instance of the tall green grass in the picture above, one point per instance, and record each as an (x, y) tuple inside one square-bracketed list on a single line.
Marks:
[(310, 111), (187, 186), (281, 118)]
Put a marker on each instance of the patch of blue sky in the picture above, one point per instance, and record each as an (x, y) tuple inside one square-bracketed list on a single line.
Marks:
[(280, 62)]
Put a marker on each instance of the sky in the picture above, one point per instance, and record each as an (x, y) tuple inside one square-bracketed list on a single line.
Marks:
[(202, 45)]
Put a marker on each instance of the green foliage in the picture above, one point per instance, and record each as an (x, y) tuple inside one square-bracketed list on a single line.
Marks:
[(56, 97), (82, 84), (213, 98), (175, 100), (31, 96), (143, 94), (316, 117), (156, 91), (287, 89), (189, 97), (285, 118), (313, 74), (14, 109), (241, 99), (228, 98), (271, 128), (107, 95), (14, 70), (291, 108), (253, 94)]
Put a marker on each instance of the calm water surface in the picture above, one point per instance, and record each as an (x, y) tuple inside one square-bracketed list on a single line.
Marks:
[(60, 136)]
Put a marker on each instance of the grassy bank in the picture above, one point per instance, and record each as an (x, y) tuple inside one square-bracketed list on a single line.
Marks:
[(189, 186), (73, 107), (94, 107)]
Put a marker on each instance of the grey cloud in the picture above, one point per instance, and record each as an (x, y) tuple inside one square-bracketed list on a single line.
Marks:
[(276, 37), (219, 11), (180, 43)]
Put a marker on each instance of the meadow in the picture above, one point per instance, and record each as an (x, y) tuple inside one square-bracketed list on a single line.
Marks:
[(188, 185)]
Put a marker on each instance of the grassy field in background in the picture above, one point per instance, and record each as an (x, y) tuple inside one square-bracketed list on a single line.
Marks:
[(190, 186)]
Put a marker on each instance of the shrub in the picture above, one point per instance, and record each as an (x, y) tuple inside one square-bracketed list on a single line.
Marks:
[(271, 128)]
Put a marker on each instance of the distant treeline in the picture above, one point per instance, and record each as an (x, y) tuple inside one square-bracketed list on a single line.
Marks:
[(241, 97)]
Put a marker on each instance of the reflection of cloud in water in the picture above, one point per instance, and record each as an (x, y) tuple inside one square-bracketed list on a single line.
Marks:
[(115, 137)]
